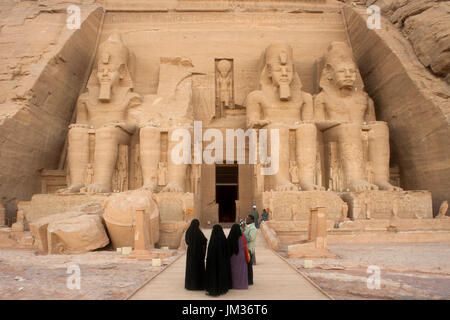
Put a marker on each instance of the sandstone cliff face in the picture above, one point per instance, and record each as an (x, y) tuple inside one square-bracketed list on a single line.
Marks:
[(43, 65), (426, 23)]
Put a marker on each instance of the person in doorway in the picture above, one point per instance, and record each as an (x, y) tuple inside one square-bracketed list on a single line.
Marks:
[(195, 257), (218, 268), (255, 215), (239, 258)]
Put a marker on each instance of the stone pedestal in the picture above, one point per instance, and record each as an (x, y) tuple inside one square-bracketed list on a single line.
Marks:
[(44, 205), (296, 205), (175, 206), (388, 204), (316, 247)]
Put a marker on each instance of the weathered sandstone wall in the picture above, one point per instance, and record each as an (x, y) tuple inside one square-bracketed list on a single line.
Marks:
[(411, 99), (43, 65), (426, 24)]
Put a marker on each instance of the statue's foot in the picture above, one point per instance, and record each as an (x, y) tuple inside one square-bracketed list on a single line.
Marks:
[(384, 185), (172, 187), (74, 188), (97, 188), (311, 187), (362, 185), (287, 187)]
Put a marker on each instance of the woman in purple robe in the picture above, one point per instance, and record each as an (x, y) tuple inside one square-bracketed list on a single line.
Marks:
[(239, 269)]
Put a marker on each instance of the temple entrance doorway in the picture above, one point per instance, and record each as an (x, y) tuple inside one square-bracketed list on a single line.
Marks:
[(227, 191)]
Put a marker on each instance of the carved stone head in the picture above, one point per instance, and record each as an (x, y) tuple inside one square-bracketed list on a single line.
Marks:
[(224, 68), (340, 67), (111, 65), (280, 68)]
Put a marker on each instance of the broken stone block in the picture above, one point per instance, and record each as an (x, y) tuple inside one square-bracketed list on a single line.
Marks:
[(39, 229), (76, 235)]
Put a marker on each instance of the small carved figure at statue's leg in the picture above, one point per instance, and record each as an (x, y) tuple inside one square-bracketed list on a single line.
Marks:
[(379, 154), (78, 156), (107, 140)]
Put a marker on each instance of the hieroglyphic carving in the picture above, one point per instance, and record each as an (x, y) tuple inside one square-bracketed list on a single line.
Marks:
[(120, 176), (293, 170), (89, 174), (162, 173)]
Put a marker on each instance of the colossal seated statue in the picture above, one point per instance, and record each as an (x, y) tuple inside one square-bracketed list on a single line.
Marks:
[(343, 103), (281, 104), (161, 115), (104, 109)]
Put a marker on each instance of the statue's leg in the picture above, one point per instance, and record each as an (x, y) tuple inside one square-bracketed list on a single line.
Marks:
[(150, 148), (176, 173), (78, 157), (306, 153), (351, 156), (379, 154), (280, 180), (107, 140)]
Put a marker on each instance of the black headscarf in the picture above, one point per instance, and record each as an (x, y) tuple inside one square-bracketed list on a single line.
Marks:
[(195, 238), (195, 257), (233, 238), (218, 268)]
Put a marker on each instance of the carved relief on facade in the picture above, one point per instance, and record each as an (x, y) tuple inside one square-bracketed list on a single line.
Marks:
[(224, 86)]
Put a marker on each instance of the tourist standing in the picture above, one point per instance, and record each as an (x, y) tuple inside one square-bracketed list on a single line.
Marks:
[(218, 268), (195, 257), (250, 233), (255, 215), (238, 250)]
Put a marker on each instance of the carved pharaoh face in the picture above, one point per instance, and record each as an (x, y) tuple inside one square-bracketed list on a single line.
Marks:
[(109, 72), (111, 65), (282, 71), (344, 74)]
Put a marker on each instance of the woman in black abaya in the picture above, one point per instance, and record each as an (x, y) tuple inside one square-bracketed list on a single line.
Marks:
[(218, 268), (195, 257)]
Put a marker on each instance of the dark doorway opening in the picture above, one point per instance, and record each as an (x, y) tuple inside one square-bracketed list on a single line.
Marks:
[(227, 191)]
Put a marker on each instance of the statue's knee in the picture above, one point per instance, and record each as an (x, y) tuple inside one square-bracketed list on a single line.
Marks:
[(107, 133), (148, 132), (379, 129), (77, 131), (307, 128), (350, 129)]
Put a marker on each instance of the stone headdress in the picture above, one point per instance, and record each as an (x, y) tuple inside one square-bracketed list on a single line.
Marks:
[(280, 52), (337, 52), (114, 52)]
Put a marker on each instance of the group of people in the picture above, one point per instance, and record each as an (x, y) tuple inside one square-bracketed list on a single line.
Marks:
[(228, 260), (264, 216)]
